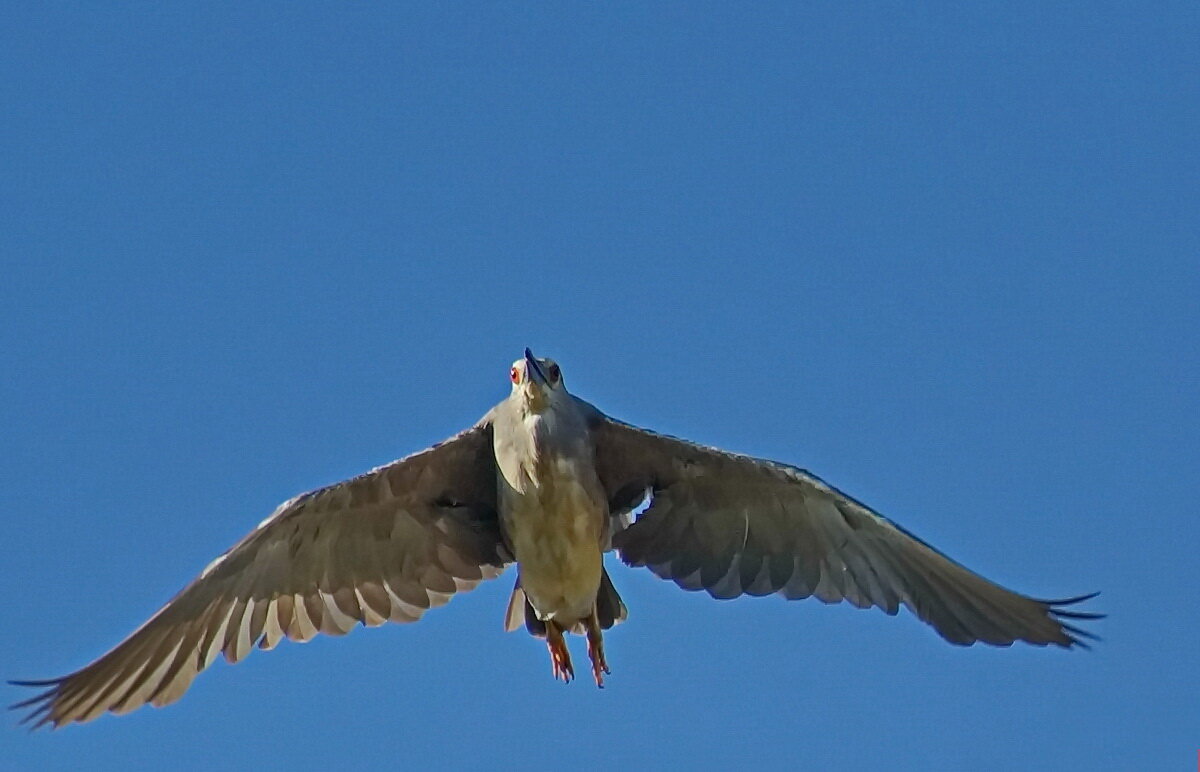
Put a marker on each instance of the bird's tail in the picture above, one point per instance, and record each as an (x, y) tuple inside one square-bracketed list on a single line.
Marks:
[(610, 610)]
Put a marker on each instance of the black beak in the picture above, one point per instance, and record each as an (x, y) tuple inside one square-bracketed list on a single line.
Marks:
[(533, 370)]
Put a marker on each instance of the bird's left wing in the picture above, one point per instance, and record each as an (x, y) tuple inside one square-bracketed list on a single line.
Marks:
[(733, 525), (384, 546)]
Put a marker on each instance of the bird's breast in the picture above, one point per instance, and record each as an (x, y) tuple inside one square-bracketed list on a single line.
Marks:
[(555, 525)]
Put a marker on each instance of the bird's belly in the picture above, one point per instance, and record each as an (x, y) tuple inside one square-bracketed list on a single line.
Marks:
[(555, 530)]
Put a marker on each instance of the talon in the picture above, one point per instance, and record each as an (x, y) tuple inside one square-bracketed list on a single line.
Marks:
[(595, 639), (560, 657)]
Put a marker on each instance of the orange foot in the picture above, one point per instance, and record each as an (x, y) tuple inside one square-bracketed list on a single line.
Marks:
[(595, 638), (560, 658)]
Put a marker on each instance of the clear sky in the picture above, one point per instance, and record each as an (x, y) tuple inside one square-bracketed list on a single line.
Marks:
[(944, 257)]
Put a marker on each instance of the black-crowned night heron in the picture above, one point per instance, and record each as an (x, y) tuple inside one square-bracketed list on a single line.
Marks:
[(549, 482)]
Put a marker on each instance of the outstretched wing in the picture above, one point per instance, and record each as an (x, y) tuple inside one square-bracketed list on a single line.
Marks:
[(733, 525), (384, 546)]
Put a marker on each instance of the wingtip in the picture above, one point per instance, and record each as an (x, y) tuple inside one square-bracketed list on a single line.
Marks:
[(1079, 637), (1079, 614), (1075, 636), (1070, 601), (40, 682), (42, 703)]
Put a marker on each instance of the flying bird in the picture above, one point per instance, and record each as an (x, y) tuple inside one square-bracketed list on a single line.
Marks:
[(546, 481)]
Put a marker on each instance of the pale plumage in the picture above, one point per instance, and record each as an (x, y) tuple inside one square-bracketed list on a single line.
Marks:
[(548, 481)]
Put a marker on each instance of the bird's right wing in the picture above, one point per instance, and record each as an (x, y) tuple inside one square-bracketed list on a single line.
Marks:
[(384, 546), (733, 525)]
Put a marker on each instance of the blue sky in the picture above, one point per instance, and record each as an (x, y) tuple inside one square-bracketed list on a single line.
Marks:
[(944, 257)]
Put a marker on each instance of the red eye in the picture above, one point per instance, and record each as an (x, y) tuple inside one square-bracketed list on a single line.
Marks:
[(514, 375)]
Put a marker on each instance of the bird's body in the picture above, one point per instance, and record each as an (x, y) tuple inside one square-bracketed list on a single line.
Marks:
[(549, 482), (553, 517), (553, 510)]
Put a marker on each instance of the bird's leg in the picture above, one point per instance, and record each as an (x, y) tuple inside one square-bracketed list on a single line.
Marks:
[(595, 640), (560, 657)]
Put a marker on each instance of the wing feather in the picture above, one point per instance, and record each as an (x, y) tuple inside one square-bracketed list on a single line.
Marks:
[(384, 546), (731, 525)]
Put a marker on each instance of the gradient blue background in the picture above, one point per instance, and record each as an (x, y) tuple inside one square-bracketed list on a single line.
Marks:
[(946, 258)]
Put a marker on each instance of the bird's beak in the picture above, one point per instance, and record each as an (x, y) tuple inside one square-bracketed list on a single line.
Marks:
[(534, 370)]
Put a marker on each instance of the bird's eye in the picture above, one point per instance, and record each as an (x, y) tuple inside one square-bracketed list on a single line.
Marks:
[(553, 372), (514, 375)]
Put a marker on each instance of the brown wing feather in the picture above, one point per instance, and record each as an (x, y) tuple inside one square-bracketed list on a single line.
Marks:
[(732, 525), (384, 546)]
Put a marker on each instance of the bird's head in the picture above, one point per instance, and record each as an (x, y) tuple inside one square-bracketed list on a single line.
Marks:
[(536, 381)]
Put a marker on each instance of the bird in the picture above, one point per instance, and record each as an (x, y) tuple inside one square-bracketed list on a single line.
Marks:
[(548, 482)]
